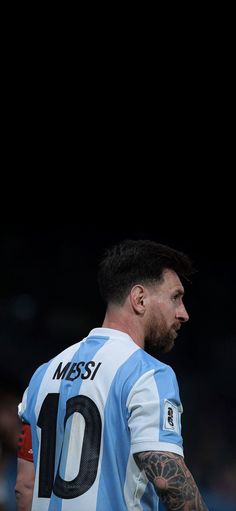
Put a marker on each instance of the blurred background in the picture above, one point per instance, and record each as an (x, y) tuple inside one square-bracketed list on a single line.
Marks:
[(49, 299)]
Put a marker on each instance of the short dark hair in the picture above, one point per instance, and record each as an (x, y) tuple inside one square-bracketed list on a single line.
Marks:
[(138, 261)]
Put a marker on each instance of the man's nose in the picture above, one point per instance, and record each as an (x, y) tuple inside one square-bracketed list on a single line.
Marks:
[(182, 314)]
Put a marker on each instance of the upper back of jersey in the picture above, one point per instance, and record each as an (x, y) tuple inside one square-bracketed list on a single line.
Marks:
[(91, 408)]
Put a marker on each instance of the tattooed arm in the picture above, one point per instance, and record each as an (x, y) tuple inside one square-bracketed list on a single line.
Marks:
[(172, 480)]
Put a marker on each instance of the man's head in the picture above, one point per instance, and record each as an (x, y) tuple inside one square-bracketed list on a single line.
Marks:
[(148, 275)]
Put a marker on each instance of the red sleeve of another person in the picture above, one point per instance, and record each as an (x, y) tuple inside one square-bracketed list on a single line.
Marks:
[(25, 450)]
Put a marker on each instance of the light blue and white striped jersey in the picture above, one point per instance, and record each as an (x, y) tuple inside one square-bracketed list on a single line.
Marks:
[(91, 408)]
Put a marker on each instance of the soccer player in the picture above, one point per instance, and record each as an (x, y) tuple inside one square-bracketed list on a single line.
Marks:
[(105, 416)]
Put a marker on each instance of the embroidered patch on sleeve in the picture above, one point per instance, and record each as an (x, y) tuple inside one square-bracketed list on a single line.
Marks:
[(171, 417)]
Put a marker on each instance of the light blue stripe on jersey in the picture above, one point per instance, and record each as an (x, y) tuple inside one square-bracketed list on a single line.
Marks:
[(117, 439), (150, 500), (29, 414), (68, 389), (114, 461), (116, 442), (117, 435)]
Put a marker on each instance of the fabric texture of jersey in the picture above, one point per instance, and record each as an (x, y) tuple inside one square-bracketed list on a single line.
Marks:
[(91, 408)]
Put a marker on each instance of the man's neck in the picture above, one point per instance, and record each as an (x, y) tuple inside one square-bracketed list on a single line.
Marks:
[(124, 323)]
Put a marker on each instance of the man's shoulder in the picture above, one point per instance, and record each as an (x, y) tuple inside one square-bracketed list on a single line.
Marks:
[(142, 365), (65, 354), (151, 361)]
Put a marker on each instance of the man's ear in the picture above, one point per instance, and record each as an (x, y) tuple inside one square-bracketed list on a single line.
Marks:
[(137, 295)]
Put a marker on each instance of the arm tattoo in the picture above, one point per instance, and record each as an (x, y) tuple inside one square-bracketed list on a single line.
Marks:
[(172, 480)]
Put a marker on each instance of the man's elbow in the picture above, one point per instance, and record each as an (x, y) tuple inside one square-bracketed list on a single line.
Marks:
[(23, 486), (23, 498), (24, 491)]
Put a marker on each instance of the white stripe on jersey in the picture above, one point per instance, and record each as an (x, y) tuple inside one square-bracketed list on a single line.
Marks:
[(43, 504), (99, 395), (144, 423), (135, 485), (75, 446), (23, 404), (144, 403)]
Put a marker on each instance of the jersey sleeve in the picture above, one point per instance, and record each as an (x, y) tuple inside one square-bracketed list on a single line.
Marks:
[(25, 450), (22, 407), (155, 409)]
